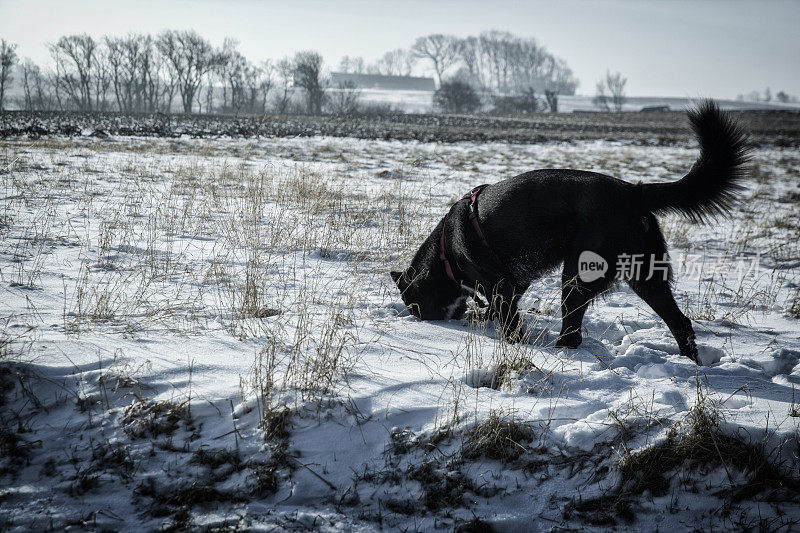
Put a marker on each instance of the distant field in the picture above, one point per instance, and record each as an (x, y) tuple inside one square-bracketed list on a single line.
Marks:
[(777, 128), (422, 102)]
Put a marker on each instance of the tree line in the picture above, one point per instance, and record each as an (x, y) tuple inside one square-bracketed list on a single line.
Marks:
[(139, 73), (494, 61), (179, 68)]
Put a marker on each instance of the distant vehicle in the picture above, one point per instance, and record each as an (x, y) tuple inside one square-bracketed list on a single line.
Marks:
[(654, 109)]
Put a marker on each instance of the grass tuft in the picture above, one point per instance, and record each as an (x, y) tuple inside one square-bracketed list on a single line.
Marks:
[(145, 417), (497, 437)]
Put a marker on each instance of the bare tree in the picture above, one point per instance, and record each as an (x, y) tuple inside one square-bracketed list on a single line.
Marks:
[(353, 65), (101, 80), (499, 61), (559, 80), (601, 98), (308, 75), (130, 65), (552, 100), (284, 69), (169, 82), (616, 86), (253, 87), (77, 60), (611, 90), (498, 46), (8, 58), (244, 85), (190, 58), (344, 99), (358, 65), (470, 54), (229, 72), (209, 96), (529, 64), (440, 50), (260, 86), (35, 87), (398, 62), (150, 79)]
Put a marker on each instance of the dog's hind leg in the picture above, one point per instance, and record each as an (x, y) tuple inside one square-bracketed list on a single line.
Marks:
[(575, 298), (658, 295)]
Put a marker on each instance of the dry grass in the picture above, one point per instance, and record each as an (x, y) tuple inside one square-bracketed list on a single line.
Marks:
[(794, 304), (692, 449), (170, 237), (699, 444), (497, 437), (147, 418), (186, 244)]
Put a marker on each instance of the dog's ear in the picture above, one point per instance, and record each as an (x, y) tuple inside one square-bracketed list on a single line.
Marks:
[(396, 276)]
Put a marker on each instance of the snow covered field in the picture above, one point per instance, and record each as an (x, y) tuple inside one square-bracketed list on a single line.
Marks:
[(203, 334)]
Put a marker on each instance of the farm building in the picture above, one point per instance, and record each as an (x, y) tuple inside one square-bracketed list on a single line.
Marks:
[(379, 81)]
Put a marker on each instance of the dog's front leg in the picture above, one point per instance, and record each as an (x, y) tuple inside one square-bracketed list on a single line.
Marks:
[(503, 307), (575, 298)]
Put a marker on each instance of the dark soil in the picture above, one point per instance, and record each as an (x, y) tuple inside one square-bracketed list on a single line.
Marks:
[(780, 128)]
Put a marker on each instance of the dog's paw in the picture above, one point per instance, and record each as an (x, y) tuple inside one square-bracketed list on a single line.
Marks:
[(707, 355), (569, 340)]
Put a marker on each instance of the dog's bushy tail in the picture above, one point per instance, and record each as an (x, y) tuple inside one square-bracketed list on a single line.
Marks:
[(710, 187)]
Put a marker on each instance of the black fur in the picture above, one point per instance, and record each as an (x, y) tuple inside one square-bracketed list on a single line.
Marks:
[(711, 185), (541, 219)]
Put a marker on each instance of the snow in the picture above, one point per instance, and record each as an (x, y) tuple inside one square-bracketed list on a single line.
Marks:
[(128, 268)]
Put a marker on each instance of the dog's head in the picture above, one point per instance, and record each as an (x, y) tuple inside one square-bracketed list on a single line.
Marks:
[(427, 299)]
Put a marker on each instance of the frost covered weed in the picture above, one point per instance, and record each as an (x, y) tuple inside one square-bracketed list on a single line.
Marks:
[(16, 340), (497, 437), (794, 304), (183, 246), (16, 448), (121, 374), (698, 444), (508, 361), (173, 499), (116, 457), (441, 486), (690, 450), (636, 420), (145, 417), (794, 408)]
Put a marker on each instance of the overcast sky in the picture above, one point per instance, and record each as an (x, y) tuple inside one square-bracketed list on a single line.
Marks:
[(665, 48)]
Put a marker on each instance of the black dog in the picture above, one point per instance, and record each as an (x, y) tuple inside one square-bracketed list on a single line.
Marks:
[(496, 240)]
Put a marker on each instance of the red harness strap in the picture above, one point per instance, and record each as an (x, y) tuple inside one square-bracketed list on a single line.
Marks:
[(447, 268), (473, 217), (473, 213)]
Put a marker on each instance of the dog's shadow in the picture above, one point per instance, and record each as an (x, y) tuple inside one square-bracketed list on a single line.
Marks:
[(536, 330)]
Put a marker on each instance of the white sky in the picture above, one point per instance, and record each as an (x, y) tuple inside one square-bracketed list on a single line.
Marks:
[(665, 48)]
